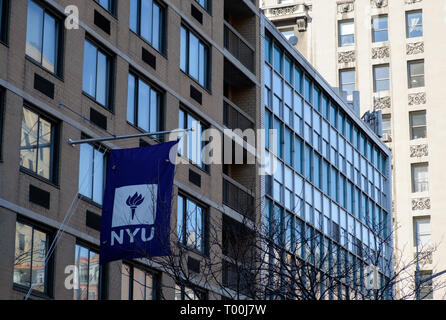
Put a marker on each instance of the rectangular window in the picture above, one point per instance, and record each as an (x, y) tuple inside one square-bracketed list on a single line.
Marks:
[(346, 33), (422, 232), (31, 245), (426, 288), (143, 105), (381, 78), (191, 223), (190, 145), (205, 4), (97, 77), (89, 272), (38, 144), (418, 126), (195, 57), (414, 24), (43, 38), (420, 180), (380, 28), (308, 163), (387, 126), (189, 293), (347, 80), (147, 19), (138, 283), (92, 166), (4, 20), (415, 70), (109, 5)]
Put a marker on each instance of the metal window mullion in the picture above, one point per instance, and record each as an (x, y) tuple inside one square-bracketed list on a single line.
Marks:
[(37, 142), (43, 36), (88, 274), (92, 174), (31, 259)]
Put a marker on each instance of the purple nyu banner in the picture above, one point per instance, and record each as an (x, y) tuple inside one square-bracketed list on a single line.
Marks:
[(137, 203)]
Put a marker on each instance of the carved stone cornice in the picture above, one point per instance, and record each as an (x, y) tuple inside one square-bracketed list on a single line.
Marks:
[(412, 1), (415, 48), (346, 57), (420, 150), (346, 6), (379, 3), (382, 103), (417, 99), (380, 53), (421, 204), (283, 11)]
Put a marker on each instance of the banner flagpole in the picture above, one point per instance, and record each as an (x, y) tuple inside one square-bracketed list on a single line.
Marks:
[(130, 136)]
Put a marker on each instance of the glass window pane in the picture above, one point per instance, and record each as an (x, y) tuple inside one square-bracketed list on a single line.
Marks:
[(139, 278), (89, 74), (44, 164), (102, 77), (154, 107), (193, 56), (156, 26), (28, 145), (180, 217), (22, 259), (34, 31), (93, 273), (125, 282), (81, 262), (202, 63), (49, 43), (146, 20), (143, 105), (277, 59), (183, 50), (414, 21), (131, 99), (149, 286), (86, 170), (98, 179), (134, 15)]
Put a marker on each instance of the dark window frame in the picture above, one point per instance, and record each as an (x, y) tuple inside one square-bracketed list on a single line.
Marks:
[(162, 27), (341, 84), (111, 60), (59, 63), (103, 270), (161, 103), (340, 36), (208, 7), (54, 170), (208, 66), (410, 76), (417, 184), (205, 125), (201, 293), (4, 25), (49, 266), (379, 30), (155, 276), (374, 68), (106, 153), (205, 224), (112, 4), (411, 125), (407, 13)]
